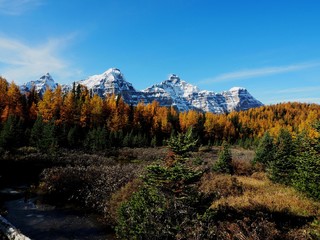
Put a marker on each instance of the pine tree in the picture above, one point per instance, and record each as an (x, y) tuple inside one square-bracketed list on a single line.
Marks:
[(96, 139), (282, 167), (265, 151), (73, 137), (43, 136), (12, 134), (307, 162), (182, 144), (36, 132), (307, 174), (49, 142), (168, 200), (224, 162)]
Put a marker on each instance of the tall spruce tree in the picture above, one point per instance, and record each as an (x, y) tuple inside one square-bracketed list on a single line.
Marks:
[(12, 134), (224, 162), (36, 132), (49, 142), (265, 152), (282, 167), (307, 162)]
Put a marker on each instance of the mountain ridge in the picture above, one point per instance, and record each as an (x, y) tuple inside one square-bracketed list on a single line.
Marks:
[(171, 92)]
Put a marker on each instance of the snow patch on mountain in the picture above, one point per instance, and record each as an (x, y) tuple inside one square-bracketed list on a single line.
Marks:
[(40, 85)]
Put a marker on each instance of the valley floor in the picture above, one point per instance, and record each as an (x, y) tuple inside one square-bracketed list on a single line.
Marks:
[(246, 204)]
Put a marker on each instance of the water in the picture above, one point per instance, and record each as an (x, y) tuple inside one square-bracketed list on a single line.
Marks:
[(46, 222), (42, 221)]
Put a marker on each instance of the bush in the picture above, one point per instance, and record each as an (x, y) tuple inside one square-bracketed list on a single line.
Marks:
[(90, 186), (242, 167), (144, 217), (220, 186), (121, 196)]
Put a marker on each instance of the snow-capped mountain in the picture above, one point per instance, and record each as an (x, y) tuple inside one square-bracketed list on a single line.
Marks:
[(238, 98), (110, 82), (40, 85), (185, 96), (171, 92)]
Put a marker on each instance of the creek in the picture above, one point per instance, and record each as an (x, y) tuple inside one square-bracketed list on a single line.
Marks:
[(38, 220)]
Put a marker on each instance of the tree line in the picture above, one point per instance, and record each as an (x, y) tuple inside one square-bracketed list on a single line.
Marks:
[(78, 119)]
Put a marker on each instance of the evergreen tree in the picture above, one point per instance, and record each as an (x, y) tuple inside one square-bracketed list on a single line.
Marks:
[(12, 135), (36, 132), (168, 201), (73, 137), (153, 142), (97, 139), (182, 144), (128, 139), (48, 141), (307, 175), (224, 162), (282, 167), (265, 151), (307, 162), (43, 136)]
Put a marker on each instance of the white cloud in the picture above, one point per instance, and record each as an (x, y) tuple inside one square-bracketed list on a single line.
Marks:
[(22, 62), (259, 72), (17, 7)]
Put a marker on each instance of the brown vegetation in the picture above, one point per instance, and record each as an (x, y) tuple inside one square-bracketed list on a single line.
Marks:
[(251, 207)]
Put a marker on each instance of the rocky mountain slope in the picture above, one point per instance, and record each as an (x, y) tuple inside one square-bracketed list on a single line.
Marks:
[(171, 92), (44, 82)]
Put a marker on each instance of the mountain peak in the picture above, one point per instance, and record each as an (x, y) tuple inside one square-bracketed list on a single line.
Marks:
[(237, 89), (173, 78), (41, 84), (112, 71), (111, 81), (171, 92), (46, 77)]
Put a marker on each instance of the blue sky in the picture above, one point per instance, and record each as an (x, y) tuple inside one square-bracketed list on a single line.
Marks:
[(272, 47)]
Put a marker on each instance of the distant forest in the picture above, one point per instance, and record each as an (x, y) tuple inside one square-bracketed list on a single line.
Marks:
[(78, 120)]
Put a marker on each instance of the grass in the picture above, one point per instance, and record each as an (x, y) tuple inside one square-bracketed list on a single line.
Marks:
[(274, 197), (249, 206), (243, 201)]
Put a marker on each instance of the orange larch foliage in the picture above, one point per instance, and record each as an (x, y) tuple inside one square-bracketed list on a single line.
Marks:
[(13, 103), (45, 106)]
